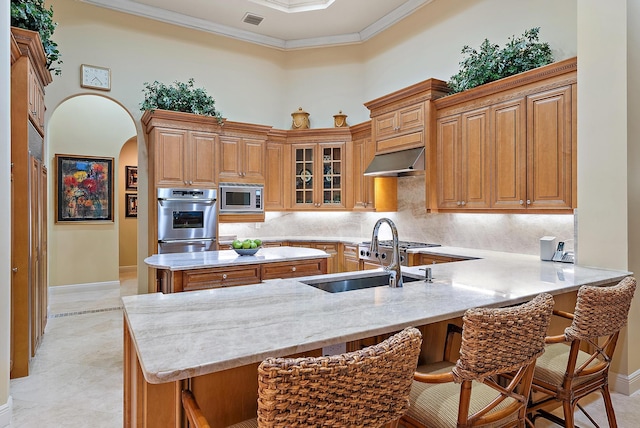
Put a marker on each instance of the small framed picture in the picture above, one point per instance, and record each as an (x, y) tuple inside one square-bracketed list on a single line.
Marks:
[(131, 172), (84, 188), (131, 201)]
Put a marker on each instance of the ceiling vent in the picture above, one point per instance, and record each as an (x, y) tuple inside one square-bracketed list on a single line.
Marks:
[(252, 19)]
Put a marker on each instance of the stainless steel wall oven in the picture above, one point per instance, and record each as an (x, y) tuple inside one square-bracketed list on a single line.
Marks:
[(187, 220)]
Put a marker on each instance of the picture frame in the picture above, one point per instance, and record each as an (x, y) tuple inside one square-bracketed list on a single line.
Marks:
[(84, 191), (131, 205), (131, 174)]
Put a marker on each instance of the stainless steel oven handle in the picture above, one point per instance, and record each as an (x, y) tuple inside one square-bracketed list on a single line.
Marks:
[(190, 201), (185, 241)]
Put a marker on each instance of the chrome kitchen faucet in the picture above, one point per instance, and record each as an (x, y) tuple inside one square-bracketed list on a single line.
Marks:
[(395, 278)]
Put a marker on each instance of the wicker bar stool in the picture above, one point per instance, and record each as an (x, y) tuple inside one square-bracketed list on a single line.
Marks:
[(365, 388), (469, 393), (577, 363)]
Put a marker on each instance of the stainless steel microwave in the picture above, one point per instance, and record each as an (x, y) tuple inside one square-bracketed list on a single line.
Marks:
[(241, 198)]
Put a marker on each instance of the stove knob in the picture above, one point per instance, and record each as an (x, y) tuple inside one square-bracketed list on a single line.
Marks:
[(367, 254), (383, 256), (362, 252)]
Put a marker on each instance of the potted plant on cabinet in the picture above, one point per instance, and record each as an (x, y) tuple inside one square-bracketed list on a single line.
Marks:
[(181, 97), (34, 16), (492, 63)]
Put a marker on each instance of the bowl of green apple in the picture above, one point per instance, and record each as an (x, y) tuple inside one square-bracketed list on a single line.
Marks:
[(248, 247)]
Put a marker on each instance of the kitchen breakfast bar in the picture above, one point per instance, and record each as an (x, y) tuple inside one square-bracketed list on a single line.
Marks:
[(211, 341)]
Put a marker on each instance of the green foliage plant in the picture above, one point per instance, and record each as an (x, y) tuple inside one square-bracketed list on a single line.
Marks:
[(491, 63), (179, 96), (33, 15)]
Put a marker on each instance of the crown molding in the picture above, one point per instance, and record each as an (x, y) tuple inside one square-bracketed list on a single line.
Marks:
[(158, 14)]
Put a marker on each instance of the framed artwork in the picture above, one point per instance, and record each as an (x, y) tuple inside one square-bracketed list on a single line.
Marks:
[(131, 201), (131, 172), (84, 188)]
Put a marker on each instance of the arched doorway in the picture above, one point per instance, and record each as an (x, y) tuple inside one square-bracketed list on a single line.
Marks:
[(86, 252)]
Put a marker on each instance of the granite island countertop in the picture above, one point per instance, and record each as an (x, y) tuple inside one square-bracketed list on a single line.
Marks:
[(183, 335), (222, 258)]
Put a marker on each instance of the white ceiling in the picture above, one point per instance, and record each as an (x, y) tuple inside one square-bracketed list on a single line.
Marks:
[(287, 24)]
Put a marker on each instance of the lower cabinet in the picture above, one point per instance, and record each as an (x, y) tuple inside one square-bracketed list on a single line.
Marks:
[(331, 248), (350, 259), (200, 279), (418, 259), (293, 270), (230, 276)]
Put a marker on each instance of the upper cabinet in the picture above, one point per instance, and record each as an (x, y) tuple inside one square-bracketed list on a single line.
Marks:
[(320, 163), (400, 119), (510, 145), (363, 152), (183, 158), (242, 153)]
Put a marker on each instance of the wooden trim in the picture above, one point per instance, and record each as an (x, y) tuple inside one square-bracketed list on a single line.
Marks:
[(30, 45), (513, 82), (324, 135), (428, 89), (179, 120), (361, 130), (15, 50)]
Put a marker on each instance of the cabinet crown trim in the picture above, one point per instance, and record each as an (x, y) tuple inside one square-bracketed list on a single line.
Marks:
[(428, 89), (30, 45), (517, 81)]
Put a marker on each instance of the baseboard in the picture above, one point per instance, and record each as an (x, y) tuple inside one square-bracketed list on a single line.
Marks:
[(126, 269), (5, 413), (625, 384), (74, 288)]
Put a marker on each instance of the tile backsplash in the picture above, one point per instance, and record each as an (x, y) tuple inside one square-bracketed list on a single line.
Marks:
[(517, 233)]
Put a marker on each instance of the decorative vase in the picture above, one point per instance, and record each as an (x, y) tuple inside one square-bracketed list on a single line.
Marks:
[(340, 120), (300, 119)]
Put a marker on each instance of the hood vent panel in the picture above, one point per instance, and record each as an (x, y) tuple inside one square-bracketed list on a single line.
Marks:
[(405, 162)]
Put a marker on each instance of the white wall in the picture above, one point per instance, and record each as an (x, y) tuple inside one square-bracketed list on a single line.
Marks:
[(5, 213)]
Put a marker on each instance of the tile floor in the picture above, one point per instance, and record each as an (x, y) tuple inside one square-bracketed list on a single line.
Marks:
[(76, 376)]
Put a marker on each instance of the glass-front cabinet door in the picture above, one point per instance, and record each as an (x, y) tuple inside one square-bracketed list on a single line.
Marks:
[(319, 176)]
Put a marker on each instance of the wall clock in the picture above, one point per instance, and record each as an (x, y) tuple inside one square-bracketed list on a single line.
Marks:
[(95, 77)]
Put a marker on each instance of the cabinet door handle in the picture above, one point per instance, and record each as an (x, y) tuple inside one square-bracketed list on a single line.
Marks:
[(224, 276), (14, 270), (293, 269), (463, 203), (528, 201), (521, 202)]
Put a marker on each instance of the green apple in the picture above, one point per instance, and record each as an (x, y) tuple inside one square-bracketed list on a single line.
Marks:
[(236, 244), (246, 244), (258, 242)]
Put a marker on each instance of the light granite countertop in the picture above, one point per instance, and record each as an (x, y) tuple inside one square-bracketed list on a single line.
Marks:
[(208, 259), (183, 335)]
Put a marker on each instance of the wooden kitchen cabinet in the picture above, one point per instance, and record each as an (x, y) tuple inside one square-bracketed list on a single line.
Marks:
[(242, 160), (399, 119), (184, 158), (418, 259), (28, 222), (331, 248), (319, 177), (182, 149), (199, 279), (36, 98), (510, 145), (350, 258), (363, 152), (462, 161), (293, 269), (277, 154)]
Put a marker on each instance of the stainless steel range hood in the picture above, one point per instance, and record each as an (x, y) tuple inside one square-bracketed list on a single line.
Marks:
[(405, 162)]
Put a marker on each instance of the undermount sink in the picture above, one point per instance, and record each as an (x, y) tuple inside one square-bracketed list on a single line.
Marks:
[(349, 284)]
